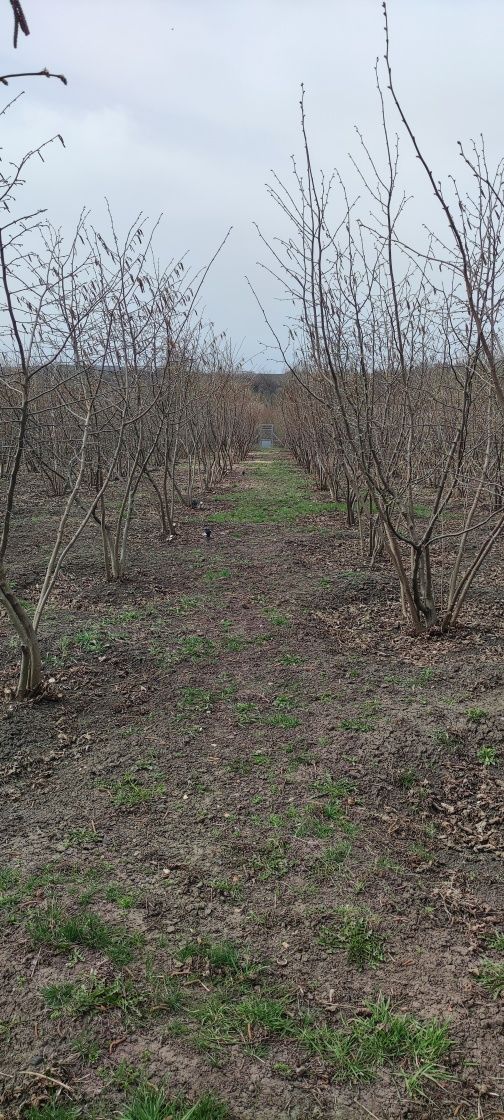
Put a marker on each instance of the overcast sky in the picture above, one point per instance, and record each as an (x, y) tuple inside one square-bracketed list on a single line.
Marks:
[(184, 106)]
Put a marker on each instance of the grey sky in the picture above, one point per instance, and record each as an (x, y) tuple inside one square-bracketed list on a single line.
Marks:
[(183, 106)]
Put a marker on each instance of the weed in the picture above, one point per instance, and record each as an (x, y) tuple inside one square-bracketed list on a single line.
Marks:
[(228, 888), (225, 1023), (487, 756), (332, 810), (381, 1038), (421, 852), (386, 864), (147, 1104), (355, 1051), (196, 699), (127, 614), (272, 860), (407, 778), (335, 790), (290, 659), (497, 942), (87, 1047), (78, 836), (476, 715), (234, 642), (423, 678), (445, 739), (91, 997), (126, 1076), (187, 603), (310, 824), (282, 719)]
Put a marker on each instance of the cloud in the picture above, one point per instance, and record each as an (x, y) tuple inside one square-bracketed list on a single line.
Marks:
[(183, 106)]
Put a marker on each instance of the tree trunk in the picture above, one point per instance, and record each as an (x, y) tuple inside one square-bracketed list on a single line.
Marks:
[(30, 675)]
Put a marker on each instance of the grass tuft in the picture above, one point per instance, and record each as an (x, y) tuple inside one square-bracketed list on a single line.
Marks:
[(61, 932), (128, 792), (354, 933), (491, 976), (150, 1103), (52, 1109), (329, 862)]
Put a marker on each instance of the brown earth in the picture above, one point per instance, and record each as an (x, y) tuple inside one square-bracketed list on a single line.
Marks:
[(230, 680)]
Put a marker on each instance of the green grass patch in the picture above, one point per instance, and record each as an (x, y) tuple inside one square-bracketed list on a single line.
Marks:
[(216, 959), (491, 976), (276, 617), (92, 639), (271, 861), (476, 715), (123, 898), (92, 996), (227, 888), (280, 494), (354, 1052), (150, 1103), (217, 575), (131, 790), (158, 994), (61, 932), (187, 603), (193, 647), (87, 1047), (379, 1039), (53, 1109), (354, 932), (81, 836), (9, 879), (247, 711), (329, 863), (234, 643), (128, 792), (359, 723), (195, 699)]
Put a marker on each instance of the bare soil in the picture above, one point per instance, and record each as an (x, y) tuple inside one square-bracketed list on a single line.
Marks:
[(223, 687)]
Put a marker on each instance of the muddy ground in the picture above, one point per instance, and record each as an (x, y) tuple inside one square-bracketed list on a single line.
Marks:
[(252, 762)]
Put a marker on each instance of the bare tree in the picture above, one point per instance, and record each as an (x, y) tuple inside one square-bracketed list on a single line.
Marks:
[(404, 364)]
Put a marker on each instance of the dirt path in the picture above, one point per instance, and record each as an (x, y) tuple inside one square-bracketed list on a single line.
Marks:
[(254, 855)]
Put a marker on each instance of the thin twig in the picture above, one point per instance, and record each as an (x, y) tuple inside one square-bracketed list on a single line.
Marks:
[(45, 1077), (363, 1106)]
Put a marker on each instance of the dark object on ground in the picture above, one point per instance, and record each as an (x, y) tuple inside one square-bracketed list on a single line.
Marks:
[(207, 532)]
